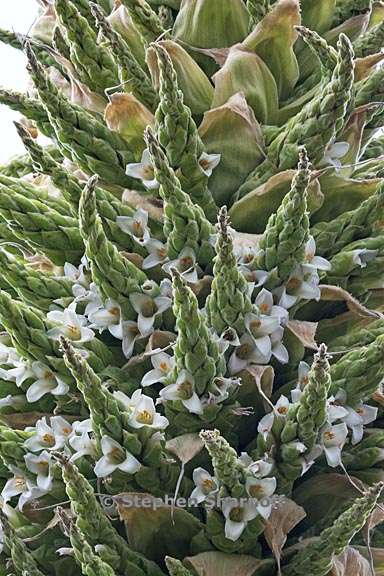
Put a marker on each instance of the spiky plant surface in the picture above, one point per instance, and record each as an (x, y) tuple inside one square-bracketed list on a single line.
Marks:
[(192, 288)]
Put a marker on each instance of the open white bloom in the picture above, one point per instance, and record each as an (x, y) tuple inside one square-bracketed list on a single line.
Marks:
[(21, 486), (107, 316), (278, 349), (333, 439), (208, 162), (264, 302), (51, 436), (40, 464), (186, 264), (143, 171), (356, 418), (136, 226), (303, 372), (260, 327), (258, 468), (162, 367), (237, 515), (47, 383), (261, 490), (300, 286), (131, 333), (129, 404), (69, 324), (157, 254), (144, 414), (334, 153), (183, 390), (313, 262), (206, 485), (147, 309), (115, 457), (8, 355), (83, 445), (245, 354), (221, 388), (21, 372)]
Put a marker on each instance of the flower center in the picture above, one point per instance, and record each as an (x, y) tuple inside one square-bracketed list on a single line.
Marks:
[(282, 409), (74, 332), (329, 435), (138, 228), (148, 173), (20, 482), (164, 367), (66, 431), (43, 465), (148, 309), (115, 311), (244, 351), (49, 439), (293, 283), (208, 485), (145, 417), (256, 491), (185, 390), (264, 307), (236, 514), (116, 455), (186, 263)]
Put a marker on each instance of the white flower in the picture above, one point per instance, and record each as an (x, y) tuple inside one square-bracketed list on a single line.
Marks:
[(335, 408), (357, 417), (334, 153), (257, 468), (107, 316), (8, 355), (237, 515), (264, 302), (245, 354), (261, 489), (21, 486), (313, 262), (136, 225), (184, 391), (47, 383), (278, 349), (147, 309), (265, 425), (70, 325), (221, 388), (185, 263), (143, 171), (162, 367), (131, 333), (144, 414), (299, 286), (157, 254), (22, 372), (128, 403), (206, 485), (83, 445), (333, 440), (41, 466), (115, 457), (260, 327), (49, 437), (208, 162)]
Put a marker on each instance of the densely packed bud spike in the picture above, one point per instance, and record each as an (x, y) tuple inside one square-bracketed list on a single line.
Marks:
[(114, 275), (333, 236), (12, 449), (109, 206), (106, 415), (31, 108), (18, 41), (176, 568), (32, 286), (177, 133), (370, 42), (196, 350), (42, 227), (229, 300), (257, 10), (18, 167), (60, 44), (91, 564), (357, 337), (145, 19), (371, 88), (97, 529), (93, 62), (319, 46), (228, 470), (312, 410), (82, 136), (184, 223), (283, 242), (22, 559), (345, 9), (165, 16), (359, 371), (132, 75), (366, 454), (317, 557)]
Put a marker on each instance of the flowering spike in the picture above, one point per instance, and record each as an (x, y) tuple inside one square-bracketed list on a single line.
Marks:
[(312, 410), (97, 528), (12, 449), (370, 42), (358, 336), (31, 108), (32, 286), (318, 556), (93, 62), (370, 89), (228, 470), (358, 372), (196, 351), (176, 568), (145, 19), (22, 559), (319, 46), (91, 564), (177, 133), (229, 300), (60, 43), (132, 75), (283, 242), (81, 135), (114, 275), (184, 223)]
